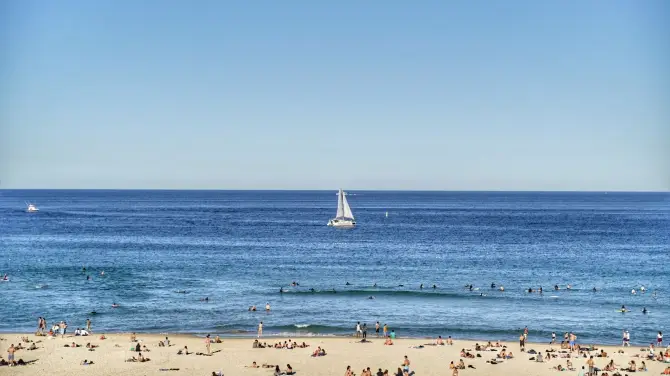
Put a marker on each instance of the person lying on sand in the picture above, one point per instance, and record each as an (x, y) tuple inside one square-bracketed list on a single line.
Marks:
[(86, 362), (559, 367), (265, 365), (253, 365)]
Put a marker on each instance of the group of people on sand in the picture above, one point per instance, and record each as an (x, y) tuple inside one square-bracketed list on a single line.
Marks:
[(277, 371), (403, 370)]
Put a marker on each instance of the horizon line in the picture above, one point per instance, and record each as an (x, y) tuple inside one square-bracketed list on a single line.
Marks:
[(326, 190)]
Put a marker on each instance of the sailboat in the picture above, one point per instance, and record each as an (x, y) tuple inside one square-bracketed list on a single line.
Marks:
[(344, 217)]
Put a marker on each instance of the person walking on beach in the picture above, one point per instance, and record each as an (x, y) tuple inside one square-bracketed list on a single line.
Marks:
[(386, 330), (208, 345), (88, 325), (522, 342), (377, 328), (358, 329), (260, 329)]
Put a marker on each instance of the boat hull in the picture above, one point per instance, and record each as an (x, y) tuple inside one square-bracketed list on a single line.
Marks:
[(342, 223)]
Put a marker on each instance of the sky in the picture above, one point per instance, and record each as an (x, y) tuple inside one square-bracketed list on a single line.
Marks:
[(429, 95)]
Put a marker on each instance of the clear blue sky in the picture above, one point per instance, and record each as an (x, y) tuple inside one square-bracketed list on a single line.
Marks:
[(454, 95)]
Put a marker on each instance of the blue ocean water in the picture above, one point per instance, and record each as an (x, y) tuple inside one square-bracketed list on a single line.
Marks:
[(238, 247)]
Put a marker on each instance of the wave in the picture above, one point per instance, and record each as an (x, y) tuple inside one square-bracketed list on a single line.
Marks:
[(379, 292)]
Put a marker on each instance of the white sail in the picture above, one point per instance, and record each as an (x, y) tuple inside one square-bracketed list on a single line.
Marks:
[(340, 206), (347, 209)]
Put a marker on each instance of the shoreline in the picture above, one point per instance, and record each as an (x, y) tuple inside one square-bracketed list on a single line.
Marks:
[(309, 335)]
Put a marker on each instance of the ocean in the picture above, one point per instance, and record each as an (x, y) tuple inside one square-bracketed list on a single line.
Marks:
[(237, 248)]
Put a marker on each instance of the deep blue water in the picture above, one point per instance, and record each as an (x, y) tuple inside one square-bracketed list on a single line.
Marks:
[(238, 248)]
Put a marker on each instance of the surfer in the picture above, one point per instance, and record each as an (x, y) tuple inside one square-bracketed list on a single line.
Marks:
[(530, 290), (434, 287), (312, 289), (114, 305), (556, 287), (470, 287), (540, 289), (334, 291), (375, 285), (205, 299), (493, 285), (623, 308), (401, 285), (371, 297), (348, 284), (88, 277), (644, 310), (421, 287), (594, 289), (281, 290)]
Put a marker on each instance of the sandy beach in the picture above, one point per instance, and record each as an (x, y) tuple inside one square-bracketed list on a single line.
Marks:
[(233, 356)]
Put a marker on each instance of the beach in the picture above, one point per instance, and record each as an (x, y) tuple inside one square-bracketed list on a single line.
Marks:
[(233, 356)]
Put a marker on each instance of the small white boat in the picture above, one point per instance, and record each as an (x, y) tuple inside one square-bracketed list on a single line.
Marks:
[(344, 217), (32, 208)]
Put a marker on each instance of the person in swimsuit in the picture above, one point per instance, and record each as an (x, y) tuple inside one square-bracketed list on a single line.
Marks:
[(260, 329)]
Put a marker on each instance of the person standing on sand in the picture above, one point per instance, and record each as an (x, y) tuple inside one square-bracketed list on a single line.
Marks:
[(10, 354), (208, 345), (365, 331), (553, 338), (525, 333), (591, 365), (522, 342), (377, 328), (88, 325), (386, 330), (358, 329), (260, 329)]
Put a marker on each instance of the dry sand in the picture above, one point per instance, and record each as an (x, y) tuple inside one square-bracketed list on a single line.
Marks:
[(51, 358)]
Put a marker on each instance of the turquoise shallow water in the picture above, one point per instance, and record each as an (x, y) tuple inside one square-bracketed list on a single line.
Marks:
[(238, 248)]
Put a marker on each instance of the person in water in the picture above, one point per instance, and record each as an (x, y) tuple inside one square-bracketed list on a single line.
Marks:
[(493, 285), (421, 287), (281, 290), (623, 308), (644, 310), (556, 287), (594, 289), (434, 286)]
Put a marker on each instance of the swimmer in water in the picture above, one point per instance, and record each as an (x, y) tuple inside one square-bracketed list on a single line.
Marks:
[(434, 286), (348, 284), (594, 289), (623, 308), (102, 272), (569, 287), (114, 305), (281, 290), (371, 297), (633, 291), (556, 287), (470, 287), (502, 288), (334, 291), (644, 310), (88, 277), (311, 290), (401, 285), (540, 289), (375, 285), (421, 287), (530, 290), (493, 285), (206, 299)]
